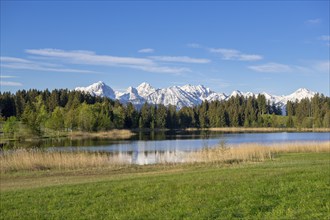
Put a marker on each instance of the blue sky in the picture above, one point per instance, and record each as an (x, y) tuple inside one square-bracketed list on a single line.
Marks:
[(254, 46)]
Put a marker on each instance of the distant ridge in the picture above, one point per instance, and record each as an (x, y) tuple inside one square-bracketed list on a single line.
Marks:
[(180, 96)]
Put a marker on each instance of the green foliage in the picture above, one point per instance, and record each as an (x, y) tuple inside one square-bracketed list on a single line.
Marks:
[(86, 118), (289, 122), (119, 116), (326, 120), (56, 120), (10, 127)]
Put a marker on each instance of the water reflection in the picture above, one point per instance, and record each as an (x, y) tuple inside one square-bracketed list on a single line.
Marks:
[(163, 147), (150, 157), (167, 141)]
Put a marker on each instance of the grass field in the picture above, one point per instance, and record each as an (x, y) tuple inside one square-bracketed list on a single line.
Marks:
[(290, 186)]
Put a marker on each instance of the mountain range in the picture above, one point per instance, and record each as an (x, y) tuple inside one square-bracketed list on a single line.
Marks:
[(180, 96)]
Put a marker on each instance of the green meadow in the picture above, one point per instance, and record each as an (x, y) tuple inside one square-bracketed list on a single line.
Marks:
[(289, 186)]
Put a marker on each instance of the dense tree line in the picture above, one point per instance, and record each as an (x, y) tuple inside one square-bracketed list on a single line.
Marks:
[(64, 110), (309, 113)]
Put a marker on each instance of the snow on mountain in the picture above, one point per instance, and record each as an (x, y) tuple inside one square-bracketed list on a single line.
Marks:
[(216, 96), (198, 92), (180, 96), (98, 89), (145, 89), (131, 95), (172, 96), (239, 93), (269, 97), (298, 95), (235, 93)]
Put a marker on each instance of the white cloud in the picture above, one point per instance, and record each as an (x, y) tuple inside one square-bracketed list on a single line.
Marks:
[(14, 60), (310, 67), (7, 77), (39, 68), (313, 21), (163, 69), (231, 54), (56, 60), (180, 59), (325, 37), (146, 50), (271, 68), (194, 45), (18, 63), (322, 66), (89, 57), (250, 57), (8, 83)]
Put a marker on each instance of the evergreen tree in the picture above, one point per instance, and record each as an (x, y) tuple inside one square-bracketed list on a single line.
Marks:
[(161, 114)]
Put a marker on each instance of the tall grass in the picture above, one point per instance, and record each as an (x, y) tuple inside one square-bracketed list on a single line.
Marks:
[(112, 134), (23, 159), (42, 160), (254, 152)]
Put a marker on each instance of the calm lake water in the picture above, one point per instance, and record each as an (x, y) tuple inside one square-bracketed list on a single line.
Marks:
[(153, 147)]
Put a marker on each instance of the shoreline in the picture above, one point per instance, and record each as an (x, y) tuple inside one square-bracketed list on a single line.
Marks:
[(125, 134), (260, 129)]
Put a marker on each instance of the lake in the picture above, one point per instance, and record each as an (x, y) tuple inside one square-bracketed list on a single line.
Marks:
[(152, 147)]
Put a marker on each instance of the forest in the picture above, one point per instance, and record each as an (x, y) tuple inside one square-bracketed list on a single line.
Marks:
[(41, 112)]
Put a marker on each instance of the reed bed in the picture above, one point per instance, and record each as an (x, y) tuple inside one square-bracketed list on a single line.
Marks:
[(23, 159), (112, 134), (253, 152)]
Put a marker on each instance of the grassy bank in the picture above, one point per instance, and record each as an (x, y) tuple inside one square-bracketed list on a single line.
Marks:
[(291, 186), (261, 129), (111, 134)]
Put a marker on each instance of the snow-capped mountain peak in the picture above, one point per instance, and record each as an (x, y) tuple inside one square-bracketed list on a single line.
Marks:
[(299, 95), (145, 89), (245, 94), (131, 95), (235, 93), (180, 96), (198, 91), (303, 91), (98, 89)]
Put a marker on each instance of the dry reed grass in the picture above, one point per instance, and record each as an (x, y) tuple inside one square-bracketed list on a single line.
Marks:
[(226, 154), (23, 159), (254, 152), (112, 134)]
